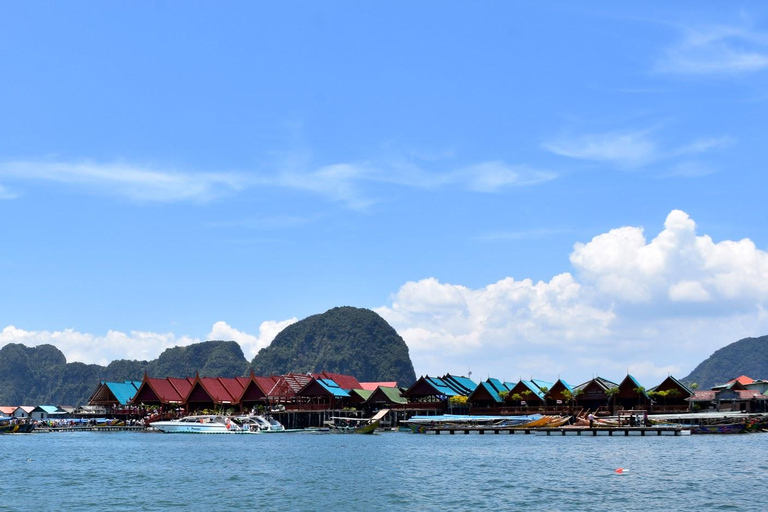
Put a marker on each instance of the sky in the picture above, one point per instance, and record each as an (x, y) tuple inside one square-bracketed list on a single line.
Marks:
[(520, 190)]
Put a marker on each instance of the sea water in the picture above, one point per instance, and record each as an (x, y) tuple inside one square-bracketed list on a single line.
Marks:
[(388, 471)]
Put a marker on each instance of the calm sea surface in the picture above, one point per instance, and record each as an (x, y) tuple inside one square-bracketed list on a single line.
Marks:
[(392, 471)]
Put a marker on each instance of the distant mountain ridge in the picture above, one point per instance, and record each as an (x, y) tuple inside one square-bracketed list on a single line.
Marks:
[(346, 340), (41, 375), (744, 357)]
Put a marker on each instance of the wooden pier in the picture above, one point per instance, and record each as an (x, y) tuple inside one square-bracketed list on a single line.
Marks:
[(91, 428), (562, 431)]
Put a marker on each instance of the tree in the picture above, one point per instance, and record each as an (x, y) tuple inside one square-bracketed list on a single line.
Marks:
[(503, 395), (640, 390), (527, 396), (544, 391), (611, 394)]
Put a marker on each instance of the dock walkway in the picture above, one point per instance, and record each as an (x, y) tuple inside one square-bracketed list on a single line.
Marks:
[(562, 431), (47, 430)]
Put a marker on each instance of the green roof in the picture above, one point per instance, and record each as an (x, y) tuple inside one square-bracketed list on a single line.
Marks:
[(392, 394), (363, 393)]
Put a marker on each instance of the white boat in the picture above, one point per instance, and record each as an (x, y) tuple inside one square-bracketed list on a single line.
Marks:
[(264, 424), (204, 424)]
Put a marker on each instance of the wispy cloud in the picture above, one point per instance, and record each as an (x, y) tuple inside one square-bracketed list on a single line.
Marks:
[(629, 149), (6, 194), (349, 183), (133, 182), (716, 50)]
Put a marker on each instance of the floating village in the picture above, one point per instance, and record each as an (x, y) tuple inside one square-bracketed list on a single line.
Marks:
[(335, 403)]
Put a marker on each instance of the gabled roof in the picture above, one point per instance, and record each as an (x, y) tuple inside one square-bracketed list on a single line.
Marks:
[(361, 394), (289, 384), (123, 391), (213, 389), (460, 384), (385, 394), (485, 388), (497, 385), (541, 384), (429, 386), (526, 385), (562, 383), (676, 383), (344, 381), (371, 386), (333, 388), (441, 386), (7, 410), (166, 391), (49, 409), (600, 382), (630, 381), (742, 379)]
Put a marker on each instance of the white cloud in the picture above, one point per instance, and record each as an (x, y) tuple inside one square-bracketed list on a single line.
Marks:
[(133, 182), (6, 194), (351, 184), (716, 50), (651, 307), (630, 149), (93, 349), (250, 343)]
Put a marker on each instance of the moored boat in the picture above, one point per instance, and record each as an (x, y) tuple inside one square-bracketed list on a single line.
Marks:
[(202, 424)]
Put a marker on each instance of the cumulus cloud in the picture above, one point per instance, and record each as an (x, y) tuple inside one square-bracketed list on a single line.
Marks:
[(93, 349), (716, 50), (250, 343), (649, 307)]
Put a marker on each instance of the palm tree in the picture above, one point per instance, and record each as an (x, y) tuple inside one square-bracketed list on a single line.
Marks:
[(640, 390), (611, 394)]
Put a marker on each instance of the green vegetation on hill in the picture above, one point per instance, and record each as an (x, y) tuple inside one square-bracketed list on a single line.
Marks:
[(744, 357), (41, 375), (344, 340)]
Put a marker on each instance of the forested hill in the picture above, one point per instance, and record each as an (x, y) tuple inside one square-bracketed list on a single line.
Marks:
[(41, 375), (344, 340), (744, 357)]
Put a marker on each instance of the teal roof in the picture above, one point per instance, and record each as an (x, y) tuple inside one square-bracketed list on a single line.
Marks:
[(332, 388), (567, 386), (491, 391), (441, 386), (542, 384), (462, 385), (123, 391), (50, 409), (637, 385), (497, 385), (534, 388)]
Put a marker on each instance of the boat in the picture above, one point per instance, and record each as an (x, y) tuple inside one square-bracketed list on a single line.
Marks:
[(203, 424), (265, 424), (11, 425), (342, 425), (725, 428)]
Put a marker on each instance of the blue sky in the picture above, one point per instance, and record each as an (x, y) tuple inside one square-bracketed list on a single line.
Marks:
[(174, 173)]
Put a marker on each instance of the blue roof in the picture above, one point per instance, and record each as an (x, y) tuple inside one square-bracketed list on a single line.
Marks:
[(491, 391), (497, 385), (48, 408), (542, 384), (123, 391), (462, 385), (333, 388), (441, 386), (567, 386), (534, 388)]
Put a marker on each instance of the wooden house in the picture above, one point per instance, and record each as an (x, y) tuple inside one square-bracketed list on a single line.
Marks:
[(670, 395)]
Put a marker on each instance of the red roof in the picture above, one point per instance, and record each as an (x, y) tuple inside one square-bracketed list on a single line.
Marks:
[(166, 391), (371, 386), (344, 381), (742, 380), (290, 384)]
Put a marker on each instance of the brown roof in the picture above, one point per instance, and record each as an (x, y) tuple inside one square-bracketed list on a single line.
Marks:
[(344, 381)]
